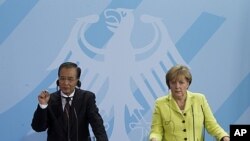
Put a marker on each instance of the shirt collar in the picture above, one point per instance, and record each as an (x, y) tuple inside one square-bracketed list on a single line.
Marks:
[(71, 95)]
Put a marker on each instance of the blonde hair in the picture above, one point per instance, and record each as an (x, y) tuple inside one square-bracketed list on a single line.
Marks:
[(176, 71)]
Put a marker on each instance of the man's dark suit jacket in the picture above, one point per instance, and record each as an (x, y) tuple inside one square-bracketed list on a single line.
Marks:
[(84, 112)]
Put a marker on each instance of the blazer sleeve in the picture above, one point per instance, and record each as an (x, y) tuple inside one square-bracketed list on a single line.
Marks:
[(156, 126), (95, 119), (39, 121), (211, 124)]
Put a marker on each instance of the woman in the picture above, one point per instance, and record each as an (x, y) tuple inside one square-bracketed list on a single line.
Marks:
[(183, 115)]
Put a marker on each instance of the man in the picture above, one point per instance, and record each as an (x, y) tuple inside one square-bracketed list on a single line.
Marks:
[(67, 113)]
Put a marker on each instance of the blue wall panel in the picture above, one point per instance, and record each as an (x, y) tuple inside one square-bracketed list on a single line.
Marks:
[(124, 50)]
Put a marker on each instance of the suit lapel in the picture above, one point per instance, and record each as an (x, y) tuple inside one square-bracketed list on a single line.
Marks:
[(57, 111), (76, 103), (75, 108), (175, 107)]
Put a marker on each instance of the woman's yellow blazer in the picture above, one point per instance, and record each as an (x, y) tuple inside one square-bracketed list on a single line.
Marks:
[(169, 123)]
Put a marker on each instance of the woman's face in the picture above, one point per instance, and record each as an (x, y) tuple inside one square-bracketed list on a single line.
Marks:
[(179, 87)]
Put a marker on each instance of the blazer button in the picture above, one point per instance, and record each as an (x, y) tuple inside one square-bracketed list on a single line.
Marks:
[(185, 139), (183, 121), (184, 130), (184, 114)]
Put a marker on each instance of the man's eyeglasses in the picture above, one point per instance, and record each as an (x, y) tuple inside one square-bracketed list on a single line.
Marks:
[(69, 79)]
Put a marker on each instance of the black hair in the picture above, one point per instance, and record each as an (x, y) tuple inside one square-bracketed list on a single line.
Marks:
[(70, 65)]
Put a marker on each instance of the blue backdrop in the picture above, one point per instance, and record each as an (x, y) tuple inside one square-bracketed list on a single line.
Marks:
[(124, 48)]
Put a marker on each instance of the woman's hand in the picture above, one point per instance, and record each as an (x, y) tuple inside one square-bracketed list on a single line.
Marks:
[(153, 139), (226, 138)]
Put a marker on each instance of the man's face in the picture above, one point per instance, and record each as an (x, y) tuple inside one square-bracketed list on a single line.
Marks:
[(68, 80)]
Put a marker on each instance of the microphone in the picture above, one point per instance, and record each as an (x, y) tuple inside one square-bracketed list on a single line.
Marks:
[(76, 123), (67, 112), (193, 122), (203, 122)]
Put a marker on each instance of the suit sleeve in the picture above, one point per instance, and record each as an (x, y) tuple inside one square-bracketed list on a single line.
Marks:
[(39, 121), (95, 119)]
